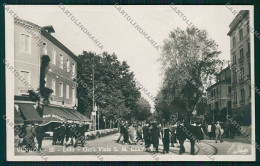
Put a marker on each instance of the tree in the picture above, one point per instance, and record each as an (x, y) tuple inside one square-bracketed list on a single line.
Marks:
[(189, 63), (43, 93), (143, 110), (115, 93)]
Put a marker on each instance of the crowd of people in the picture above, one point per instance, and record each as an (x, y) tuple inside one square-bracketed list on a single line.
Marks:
[(171, 134), (30, 134), (147, 134)]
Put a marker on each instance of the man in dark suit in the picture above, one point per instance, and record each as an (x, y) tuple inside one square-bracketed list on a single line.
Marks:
[(121, 128), (192, 136), (155, 133), (55, 135), (39, 136), (181, 136), (62, 132), (80, 136), (146, 134)]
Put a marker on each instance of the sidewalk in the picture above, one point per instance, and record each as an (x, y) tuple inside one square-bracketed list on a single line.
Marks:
[(237, 139)]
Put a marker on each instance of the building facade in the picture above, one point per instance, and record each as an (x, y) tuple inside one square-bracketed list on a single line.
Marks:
[(240, 67), (27, 60), (219, 95)]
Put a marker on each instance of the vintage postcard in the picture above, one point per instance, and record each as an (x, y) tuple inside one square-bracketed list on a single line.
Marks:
[(130, 82)]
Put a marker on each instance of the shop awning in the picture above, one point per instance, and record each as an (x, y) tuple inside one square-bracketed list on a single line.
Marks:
[(18, 120), (29, 113), (79, 115), (60, 115), (56, 114)]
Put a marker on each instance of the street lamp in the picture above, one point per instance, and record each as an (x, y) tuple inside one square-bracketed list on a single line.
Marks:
[(93, 81), (104, 118)]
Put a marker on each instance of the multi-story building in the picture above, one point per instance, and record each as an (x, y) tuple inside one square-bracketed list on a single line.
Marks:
[(28, 52), (240, 66), (219, 95)]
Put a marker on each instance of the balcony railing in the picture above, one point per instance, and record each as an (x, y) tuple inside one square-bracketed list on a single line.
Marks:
[(241, 59), (242, 102), (234, 103)]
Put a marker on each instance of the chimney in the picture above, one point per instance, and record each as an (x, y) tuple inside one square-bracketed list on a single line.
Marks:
[(49, 29)]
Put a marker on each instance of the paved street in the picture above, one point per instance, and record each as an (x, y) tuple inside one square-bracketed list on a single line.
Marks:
[(107, 146)]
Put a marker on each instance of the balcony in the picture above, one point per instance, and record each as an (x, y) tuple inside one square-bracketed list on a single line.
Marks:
[(242, 102), (234, 84), (241, 60), (242, 79)]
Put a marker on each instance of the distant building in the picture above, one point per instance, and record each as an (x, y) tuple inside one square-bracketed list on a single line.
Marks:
[(240, 69), (219, 95)]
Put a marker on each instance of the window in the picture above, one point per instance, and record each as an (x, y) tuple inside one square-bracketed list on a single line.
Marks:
[(229, 89), (61, 61), (44, 48), (241, 73), (54, 56), (235, 78), (73, 69), (241, 34), (53, 86), (247, 27), (73, 96), (25, 43), (234, 41), (249, 87), (67, 91), (234, 58), (45, 79), (249, 70), (61, 89), (235, 97), (68, 65), (23, 86), (241, 51), (248, 48), (243, 94)]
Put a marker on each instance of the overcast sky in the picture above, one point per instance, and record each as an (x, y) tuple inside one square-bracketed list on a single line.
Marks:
[(117, 34)]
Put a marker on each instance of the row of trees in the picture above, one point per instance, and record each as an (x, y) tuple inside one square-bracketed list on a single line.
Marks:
[(189, 63), (115, 91)]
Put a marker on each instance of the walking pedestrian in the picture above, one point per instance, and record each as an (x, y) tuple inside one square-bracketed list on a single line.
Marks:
[(155, 133), (192, 136), (139, 133), (166, 139), (181, 136), (146, 134), (40, 133), (121, 130), (218, 132), (125, 134), (80, 136), (62, 133)]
